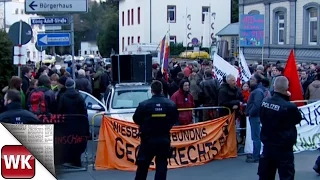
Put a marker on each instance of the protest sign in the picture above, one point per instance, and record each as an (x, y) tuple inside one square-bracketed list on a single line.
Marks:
[(71, 133), (192, 145)]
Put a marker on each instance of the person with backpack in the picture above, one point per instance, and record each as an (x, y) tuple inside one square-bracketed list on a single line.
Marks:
[(42, 99), (253, 111)]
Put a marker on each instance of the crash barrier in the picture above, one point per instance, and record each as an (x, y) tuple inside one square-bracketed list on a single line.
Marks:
[(308, 130), (71, 134), (193, 144)]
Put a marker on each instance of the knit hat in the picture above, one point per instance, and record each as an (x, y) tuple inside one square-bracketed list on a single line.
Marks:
[(70, 83)]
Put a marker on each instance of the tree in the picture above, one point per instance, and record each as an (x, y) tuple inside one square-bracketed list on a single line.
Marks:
[(234, 11), (108, 37), (6, 65)]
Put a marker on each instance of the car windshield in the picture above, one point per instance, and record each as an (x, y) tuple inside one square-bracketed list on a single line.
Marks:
[(126, 99)]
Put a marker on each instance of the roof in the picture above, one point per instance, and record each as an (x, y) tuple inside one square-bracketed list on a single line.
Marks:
[(230, 30), (131, 86)]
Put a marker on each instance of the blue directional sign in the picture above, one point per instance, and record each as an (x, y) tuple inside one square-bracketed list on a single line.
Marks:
[(54, 39), (50, 21)]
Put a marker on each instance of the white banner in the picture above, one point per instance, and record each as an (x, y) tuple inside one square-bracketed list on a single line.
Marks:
[(245, 72), (223, 68), (308, 130)]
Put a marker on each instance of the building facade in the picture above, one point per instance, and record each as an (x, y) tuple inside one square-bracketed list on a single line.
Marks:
[(14, 12), (147, 21), (289, 24)]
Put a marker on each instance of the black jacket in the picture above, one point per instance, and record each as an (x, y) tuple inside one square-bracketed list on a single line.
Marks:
[(83, 84), (279, 118), (25, 84), (229, 97), (209, 89), (174, 86), (165, 115), (16, 115), (71, 102)]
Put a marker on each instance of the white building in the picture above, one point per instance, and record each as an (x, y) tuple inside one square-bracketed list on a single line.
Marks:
[(89, 48), (14, 12), (289, 24), (146, 21)]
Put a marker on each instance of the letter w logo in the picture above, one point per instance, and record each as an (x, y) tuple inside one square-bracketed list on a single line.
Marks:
[(12, 160)]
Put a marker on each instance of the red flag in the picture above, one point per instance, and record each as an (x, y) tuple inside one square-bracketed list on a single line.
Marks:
[(239, 78), (291, 72)]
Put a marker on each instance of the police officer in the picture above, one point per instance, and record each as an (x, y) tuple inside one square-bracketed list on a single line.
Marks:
[(155, 118), (279, 118)]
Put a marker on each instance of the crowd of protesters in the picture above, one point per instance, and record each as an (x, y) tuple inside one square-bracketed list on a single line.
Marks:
[(189, 85)]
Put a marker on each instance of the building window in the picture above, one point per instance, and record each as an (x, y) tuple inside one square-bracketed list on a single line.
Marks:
[(122, 18), (32, 39), (279, 25), (138, 39), (313, 25), (128, 40), (85, 52), (281, 29), (311, 17), (21, 11), (16, 11), (253, 12), (205, 9), (128, 17), (132, 40), (173, 39), (171, 14), (40, 27), (132, 19), (138, 15), (122, 44)]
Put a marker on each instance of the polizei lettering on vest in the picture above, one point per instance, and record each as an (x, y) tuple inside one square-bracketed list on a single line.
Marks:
[(55, 6)]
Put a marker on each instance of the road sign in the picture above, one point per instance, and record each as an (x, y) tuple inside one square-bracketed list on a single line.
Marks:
[(54, 39), (50, 21), (194, 41), (53, 28), (40, 48), (14, 33), (19, 57), (56, 6)]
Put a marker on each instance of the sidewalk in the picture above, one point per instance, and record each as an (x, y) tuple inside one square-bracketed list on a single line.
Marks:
[(228, 169)]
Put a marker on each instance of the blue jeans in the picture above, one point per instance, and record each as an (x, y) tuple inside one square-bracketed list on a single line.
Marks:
[(255, 136)]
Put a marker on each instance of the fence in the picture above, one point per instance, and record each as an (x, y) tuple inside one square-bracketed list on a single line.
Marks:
[(217, 108), (71, 134)]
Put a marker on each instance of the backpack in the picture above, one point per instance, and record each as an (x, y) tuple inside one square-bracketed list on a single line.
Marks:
[(37, 102)]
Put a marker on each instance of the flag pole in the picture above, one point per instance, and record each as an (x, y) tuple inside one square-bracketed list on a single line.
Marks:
[(186, 30)]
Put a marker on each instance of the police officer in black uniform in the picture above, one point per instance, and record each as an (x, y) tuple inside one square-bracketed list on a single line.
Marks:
[(155, 118), (279, 118)]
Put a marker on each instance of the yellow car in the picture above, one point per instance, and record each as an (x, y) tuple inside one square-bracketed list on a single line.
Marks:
[(194, 55)]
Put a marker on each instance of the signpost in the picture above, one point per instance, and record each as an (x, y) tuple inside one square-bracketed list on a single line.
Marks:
[(54, 39), (251, 31), (20, 33), (56, 8)]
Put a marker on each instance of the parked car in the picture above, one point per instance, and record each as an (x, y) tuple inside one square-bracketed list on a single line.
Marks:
[(120, 102)]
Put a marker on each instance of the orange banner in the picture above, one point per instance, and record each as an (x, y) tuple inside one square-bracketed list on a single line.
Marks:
[(193, 144)]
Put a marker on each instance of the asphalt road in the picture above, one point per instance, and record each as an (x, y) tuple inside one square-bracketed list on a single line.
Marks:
[(227, 169)]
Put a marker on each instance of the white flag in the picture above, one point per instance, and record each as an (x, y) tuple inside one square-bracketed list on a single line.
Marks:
[(245, 72), (223, 68)]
